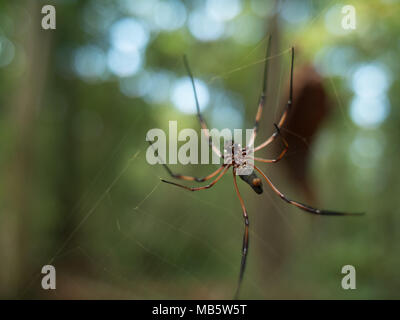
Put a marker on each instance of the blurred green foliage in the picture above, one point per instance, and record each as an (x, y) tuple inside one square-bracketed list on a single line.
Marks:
[(78, 193)]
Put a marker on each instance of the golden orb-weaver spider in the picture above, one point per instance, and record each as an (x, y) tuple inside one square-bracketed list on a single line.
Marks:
[(237, 160)]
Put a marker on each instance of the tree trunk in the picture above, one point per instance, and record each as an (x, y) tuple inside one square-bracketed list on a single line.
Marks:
[(18, 185)]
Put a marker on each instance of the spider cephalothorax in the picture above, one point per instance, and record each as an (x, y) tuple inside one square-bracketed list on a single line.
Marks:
[(242, 160), (236, 155)]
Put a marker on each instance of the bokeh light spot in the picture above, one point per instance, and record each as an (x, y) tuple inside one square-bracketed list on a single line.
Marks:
[(370, 80), (7, 51), (227, 111), (89, 62), (223, 10), (203, 27), (333, 18), (128, 34), (183, 98), (295, 11), (170, 15), (336, 60), (143, 8), (369, 112), (124, 64)]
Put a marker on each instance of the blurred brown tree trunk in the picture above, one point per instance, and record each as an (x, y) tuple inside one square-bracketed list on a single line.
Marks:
[(270, 226), (310, 108), (23, 110)]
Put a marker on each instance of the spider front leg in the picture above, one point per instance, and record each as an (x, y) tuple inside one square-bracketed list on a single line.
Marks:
[(191, 178), (203, 187), (285, 113), (200, 117), (245, 246), (261, 102), (188, 178), (281, 155)]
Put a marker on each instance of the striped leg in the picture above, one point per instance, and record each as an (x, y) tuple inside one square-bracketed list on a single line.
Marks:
[(281, 155), (245, 246), (189, 178), (285, 113), (200, 117), (199, 188), (303, 206), (261, 102)]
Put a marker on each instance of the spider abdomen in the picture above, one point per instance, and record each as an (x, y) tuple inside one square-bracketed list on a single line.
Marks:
[(253, 181)]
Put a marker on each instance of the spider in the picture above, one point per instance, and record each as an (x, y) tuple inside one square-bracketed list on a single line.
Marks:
[(238, 159)]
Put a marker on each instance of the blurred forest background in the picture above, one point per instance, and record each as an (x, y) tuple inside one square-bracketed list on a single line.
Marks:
[(77, 192)]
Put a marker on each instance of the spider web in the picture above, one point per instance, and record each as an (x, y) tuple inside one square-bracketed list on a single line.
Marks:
[(179, 228), (127, 283), (144, 209)]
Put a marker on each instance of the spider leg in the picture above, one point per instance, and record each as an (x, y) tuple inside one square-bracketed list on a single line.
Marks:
[(245, 246), (281, 155), (285, 113), (303, 206), (199, 188), (261, 102), (189, 178), (200, 117)]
